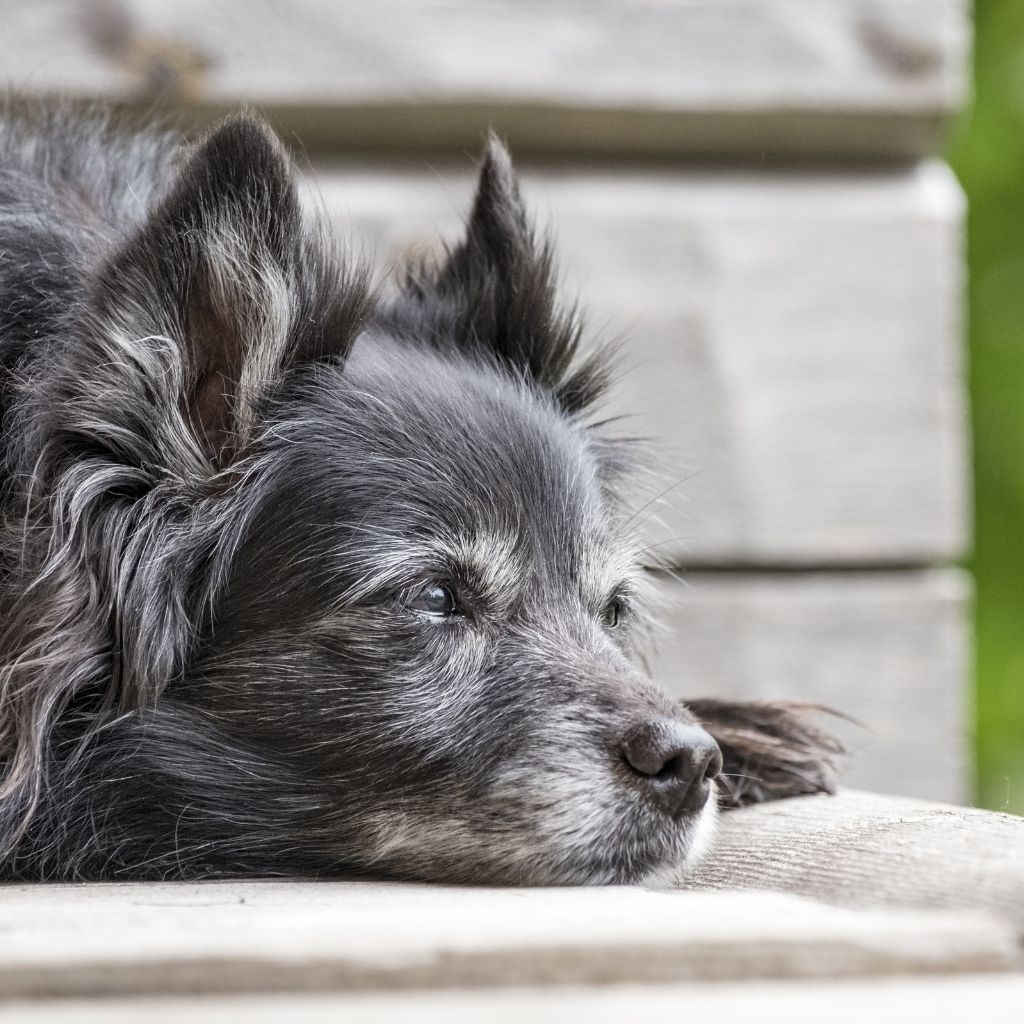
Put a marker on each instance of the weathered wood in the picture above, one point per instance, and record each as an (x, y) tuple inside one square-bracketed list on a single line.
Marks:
[(878, 1000), (243, 937), (864, 850), (887, 649), (792, 342), (729, 76)]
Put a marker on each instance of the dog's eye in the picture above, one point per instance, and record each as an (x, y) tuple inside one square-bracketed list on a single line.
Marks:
[(611, 613), (435, 600)]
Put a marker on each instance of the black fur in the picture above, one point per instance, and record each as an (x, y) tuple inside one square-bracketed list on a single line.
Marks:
[(770, 749), (233, 481)]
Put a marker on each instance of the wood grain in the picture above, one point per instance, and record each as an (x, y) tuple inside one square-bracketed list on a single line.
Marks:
[(852, 77), (880, 1000), (864, 850), (175, 938)]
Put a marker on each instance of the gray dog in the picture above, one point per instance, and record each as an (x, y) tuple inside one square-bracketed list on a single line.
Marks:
[(298, 580)]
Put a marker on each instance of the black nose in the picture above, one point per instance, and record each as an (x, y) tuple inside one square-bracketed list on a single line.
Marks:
[(675, 761)]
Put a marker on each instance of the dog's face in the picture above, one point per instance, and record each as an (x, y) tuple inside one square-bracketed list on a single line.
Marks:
[(420, 581), (431, 617)]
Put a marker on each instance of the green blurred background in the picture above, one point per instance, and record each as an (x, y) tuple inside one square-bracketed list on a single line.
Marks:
[(987, 152)]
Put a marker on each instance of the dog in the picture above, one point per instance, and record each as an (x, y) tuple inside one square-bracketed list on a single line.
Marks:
[(303, 577)]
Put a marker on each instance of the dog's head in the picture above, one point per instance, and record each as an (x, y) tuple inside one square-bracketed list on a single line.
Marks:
[(384, 577)]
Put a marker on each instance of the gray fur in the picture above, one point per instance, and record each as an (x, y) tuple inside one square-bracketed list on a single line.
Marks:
[(230, 472)]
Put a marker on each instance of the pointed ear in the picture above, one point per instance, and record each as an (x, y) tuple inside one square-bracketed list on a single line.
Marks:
[(496, 294), (226, 269)]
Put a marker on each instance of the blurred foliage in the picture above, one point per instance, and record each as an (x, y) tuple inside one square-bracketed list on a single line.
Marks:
[(987, 153)]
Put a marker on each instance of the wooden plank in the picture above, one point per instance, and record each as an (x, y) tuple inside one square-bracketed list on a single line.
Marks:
[(865, 850), (792, 342), (888, 649), (881, 1001), (864, 77), (174, 938)]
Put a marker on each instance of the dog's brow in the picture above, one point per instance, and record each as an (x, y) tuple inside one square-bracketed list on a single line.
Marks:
[(492, 561), (611, 569)]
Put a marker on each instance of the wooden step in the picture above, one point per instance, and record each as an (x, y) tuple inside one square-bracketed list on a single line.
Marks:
[(105, 940)]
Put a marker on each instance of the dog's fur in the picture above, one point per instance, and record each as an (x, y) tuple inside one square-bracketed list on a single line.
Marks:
[(230, 472)]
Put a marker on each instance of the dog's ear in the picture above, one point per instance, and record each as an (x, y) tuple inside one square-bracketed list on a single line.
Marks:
[(770, 749), (495, 294), (225, 267)]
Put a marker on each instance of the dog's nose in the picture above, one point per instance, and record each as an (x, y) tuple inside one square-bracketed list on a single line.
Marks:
[(676, 762)]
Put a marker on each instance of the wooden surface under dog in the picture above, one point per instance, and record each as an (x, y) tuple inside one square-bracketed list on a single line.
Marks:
[(152, 939), (880, 1000)]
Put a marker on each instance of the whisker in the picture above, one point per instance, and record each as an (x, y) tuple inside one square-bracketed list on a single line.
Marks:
[(625, 525)]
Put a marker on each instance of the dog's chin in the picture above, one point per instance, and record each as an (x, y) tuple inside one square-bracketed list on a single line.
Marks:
[(699, 836), (674, 852), (636, 849), (657, 855)]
